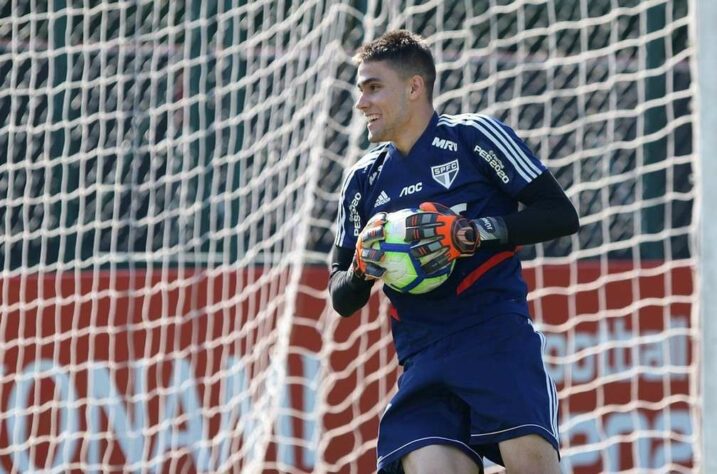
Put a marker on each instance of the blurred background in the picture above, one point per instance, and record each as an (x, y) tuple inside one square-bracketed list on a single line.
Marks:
[(169, 177)]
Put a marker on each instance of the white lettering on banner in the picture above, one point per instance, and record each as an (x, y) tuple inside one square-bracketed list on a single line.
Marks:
[(182, 394), (647, 455), (69, 419), (128, 430), (671, 350), (591, 431), (130, 421), (140, 437)]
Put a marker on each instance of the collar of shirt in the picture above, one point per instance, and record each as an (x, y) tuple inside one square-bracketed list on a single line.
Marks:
[(423, 141)]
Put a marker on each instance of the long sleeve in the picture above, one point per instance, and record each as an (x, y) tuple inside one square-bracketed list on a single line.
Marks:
[(548, 214), (348, 292)]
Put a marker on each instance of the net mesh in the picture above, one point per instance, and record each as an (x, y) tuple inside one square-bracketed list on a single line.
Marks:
[(168, 187)]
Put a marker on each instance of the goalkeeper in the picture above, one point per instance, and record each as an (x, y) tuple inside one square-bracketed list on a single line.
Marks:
[(473, 382)]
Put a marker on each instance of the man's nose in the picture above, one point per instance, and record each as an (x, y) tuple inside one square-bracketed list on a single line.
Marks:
[(361, 102)]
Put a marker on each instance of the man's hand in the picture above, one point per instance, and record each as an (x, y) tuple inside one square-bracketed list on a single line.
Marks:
[(367, 261), (450, 235)]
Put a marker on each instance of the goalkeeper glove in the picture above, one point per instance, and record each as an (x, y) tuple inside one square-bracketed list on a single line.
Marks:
[(367, 261), (450, 235)]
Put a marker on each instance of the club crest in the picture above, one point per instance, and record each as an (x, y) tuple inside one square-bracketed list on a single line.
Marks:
[(445, 174)]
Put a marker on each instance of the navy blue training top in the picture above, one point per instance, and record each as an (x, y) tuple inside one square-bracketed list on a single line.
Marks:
[(474, 164)]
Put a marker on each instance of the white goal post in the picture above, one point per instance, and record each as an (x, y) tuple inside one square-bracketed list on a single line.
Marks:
[(706, 82), (169, 178)]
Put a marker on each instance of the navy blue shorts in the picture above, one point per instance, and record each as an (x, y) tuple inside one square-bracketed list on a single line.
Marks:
[(471, 390)]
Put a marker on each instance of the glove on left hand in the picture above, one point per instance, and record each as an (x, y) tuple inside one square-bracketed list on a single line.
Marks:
[(449, 234)]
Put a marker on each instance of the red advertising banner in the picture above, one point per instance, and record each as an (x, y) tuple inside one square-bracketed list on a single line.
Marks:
[(156, 370)]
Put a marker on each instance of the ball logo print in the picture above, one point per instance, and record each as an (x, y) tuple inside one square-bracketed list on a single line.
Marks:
[(404, 272)]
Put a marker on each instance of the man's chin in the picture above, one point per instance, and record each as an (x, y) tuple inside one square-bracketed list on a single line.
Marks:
[(375, 137)]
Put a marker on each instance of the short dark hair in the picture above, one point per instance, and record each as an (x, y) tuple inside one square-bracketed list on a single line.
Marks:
[(407, 52)]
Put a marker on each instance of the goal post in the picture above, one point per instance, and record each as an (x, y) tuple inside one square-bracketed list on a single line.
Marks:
[(169, 180), (706, 80)]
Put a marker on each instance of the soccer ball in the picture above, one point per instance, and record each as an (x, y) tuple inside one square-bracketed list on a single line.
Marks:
[(403, 270)]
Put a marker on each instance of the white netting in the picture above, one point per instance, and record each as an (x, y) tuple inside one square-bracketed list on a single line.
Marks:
[(168, 187)]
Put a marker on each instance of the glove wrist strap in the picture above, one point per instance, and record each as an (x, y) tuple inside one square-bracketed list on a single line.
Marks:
[(493, 232)]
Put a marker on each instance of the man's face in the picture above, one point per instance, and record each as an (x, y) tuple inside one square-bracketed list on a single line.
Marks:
[(383, 100)]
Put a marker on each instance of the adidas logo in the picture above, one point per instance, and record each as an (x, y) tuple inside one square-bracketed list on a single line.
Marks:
[(382, 199)]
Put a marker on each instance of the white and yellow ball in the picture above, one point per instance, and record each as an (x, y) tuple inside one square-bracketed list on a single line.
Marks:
[(403, 270)]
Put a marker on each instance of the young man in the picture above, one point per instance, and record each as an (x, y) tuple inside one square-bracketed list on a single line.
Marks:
[(473, 381)]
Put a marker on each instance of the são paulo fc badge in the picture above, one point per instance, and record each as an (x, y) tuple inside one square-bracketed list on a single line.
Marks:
[(445, 174)]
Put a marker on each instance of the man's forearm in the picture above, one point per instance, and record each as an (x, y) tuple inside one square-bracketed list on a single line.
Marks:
[(348, 292)]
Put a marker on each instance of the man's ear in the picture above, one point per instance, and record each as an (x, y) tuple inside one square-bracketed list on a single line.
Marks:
[(417, 86)]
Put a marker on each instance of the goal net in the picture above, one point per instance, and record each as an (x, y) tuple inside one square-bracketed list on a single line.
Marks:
[(169, 180)]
